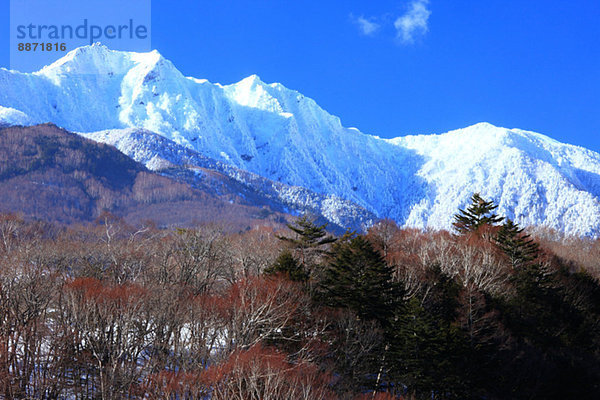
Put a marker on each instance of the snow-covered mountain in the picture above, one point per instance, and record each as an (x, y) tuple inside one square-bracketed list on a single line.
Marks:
[(535, 179), (281, 135), (10, 116), (160, 154)]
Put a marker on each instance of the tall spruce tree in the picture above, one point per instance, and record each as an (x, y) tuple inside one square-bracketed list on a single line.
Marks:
[(519, 247), (309, 242), (427, 347), (479, 213), (359, 279), (286, 264)]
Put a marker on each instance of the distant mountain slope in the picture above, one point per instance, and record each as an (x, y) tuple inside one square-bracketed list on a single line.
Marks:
[(51, 174), (164, 156), (535, 180), (281, 135)]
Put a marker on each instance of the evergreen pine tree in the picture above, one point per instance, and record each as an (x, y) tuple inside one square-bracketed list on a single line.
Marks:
[(427, 347), (478, 214), (308, 243), (359, 279), (426, 354), (518, 246), (287, 264)]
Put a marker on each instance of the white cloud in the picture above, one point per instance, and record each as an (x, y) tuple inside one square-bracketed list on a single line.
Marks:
[(414, 22), (367, 27)]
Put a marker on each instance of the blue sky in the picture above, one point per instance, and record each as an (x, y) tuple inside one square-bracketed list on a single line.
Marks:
[(399, 67)]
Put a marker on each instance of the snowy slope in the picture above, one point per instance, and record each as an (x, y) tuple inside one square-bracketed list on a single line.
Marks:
[(160, 154), (535, 180), (281, 135), (10, 116)]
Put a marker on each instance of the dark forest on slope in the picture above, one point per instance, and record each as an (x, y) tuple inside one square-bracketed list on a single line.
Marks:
[(54, 175), (111, 311)]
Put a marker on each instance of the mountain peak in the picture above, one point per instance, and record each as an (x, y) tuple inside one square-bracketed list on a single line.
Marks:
[(98, 58), (252, 81), (482, 125), (506, 136), (254, 77)]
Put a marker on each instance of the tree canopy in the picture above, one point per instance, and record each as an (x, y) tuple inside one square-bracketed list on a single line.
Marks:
[(479, 213)]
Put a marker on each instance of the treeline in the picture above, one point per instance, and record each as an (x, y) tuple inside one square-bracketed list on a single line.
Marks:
[(113, 312)]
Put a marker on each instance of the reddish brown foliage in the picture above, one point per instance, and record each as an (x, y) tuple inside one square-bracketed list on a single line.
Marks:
[(265, 374), (93, 290), (176, 385)]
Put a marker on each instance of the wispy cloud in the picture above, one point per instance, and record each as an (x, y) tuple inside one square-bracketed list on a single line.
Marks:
[(367, 26), (414, 22), (411, 25)]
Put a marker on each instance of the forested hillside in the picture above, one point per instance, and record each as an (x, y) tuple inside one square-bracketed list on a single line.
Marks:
[(54, 175), (113, 311)]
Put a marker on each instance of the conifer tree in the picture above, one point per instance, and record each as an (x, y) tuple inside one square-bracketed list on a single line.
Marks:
[(308, 243), (519, 247), (426, 354), (287, 264), (478, 214), (359, 279), (426, 344)]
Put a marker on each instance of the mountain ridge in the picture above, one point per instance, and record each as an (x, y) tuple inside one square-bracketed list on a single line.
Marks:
[(160, 154), (281, 135)]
